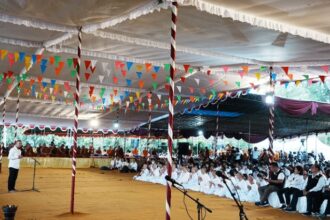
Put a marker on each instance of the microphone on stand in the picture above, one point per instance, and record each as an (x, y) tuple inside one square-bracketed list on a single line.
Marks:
[(173, 181), (220, 174)]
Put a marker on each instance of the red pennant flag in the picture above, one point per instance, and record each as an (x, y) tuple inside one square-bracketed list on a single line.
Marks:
[(115, 91), (122, 65), (154, 76), (93, 68), (123, 72), (10, 74), (322, 78), (91, 91), (167, 87), (117, 64), (183, 79), (252, 85), (115, 80), (141, 84), (208, 72), (148, 67), (51, 60), (39, 79), (186, 67), (211, 81), (31, 82), (203, 90), (285, 69), (87, 76), (87, 64), (75, 62), (38, 58)]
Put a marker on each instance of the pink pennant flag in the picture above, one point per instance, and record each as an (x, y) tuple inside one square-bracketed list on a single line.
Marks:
[(241, 73), (191, 89), (325, 68), (310, 82), (211, 81), (225, 68)]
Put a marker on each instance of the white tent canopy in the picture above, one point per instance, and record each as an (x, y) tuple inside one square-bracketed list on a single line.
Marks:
[(211, 35)]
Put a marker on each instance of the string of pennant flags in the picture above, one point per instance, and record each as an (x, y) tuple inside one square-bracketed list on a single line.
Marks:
[(41, 88)]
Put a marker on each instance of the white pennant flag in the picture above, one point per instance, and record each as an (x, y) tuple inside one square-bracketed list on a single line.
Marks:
[(106, 68), (65, 93), (179, 88), (101, 77), (197, 81), (36, 95), (51, 90), (93, 63), (127, 104), (159, 97)]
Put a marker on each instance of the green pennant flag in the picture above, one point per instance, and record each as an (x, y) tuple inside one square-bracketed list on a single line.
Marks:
[(238, 84), (197, 98), (18, 78), (24, 76), (154, 85), (263, 68), (102, 91), (191, 70), (69, 62), (167, 67), (9, 80), (73, 73), (168, 79), (306, 77), (57, 60), (1, 76), (213, 92), (178, 97), (142, 104)]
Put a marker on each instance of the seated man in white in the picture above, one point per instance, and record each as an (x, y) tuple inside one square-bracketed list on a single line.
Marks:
[(241, 187), (204, 180), (313, 192), (276, 182), (192, 183), (295, 182), (144, 174), (133, 166), (253, 194), (184, 176)]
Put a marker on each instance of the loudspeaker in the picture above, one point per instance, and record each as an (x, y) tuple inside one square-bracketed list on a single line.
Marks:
[(183, 148)]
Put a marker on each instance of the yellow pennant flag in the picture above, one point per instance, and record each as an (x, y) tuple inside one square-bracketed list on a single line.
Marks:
[(298, 82), (210, 97), (16, 55), (131, 99), (220, 95), (27, 62), (258, 75), (139, 67), (4, 54), (53, 98), (137, 94)]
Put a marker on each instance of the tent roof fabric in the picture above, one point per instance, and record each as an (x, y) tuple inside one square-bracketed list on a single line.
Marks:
[(210, 35)]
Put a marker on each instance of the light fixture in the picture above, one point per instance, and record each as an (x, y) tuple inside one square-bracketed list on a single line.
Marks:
[(269, 99), (200, 133), (94, 123), (116, 125)]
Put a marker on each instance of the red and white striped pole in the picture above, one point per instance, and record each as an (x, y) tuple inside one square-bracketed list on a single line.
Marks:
[(3, 131), (217, 132), (17, 110), (75, 127), (171, 109), (271, 112), (149, 122)]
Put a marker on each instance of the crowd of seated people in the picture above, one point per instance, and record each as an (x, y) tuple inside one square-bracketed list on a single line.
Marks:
[(294, 182)]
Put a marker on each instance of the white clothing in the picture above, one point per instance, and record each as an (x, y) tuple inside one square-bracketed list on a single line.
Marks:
[(320, 184), (14, 157)]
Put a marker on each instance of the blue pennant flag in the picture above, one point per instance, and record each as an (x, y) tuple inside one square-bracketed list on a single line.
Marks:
[(33, 90), (34, 58), (139, 74), (274, 76), (286, 85), (127, 93), (103, 101), (43, 68), (129, 65), (129, 82), (156, 68), (122, 98), (53, 82), (44, 62), (21, 56), (44, 84)]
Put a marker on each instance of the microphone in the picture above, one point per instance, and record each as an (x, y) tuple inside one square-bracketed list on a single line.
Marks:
[(173, 181), (220, 174)]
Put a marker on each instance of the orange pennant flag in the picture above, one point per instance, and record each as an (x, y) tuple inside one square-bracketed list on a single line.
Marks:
[(3, 53), (51, 60), (141, 84), (148, 66), (290, 76), (139, 67), (154, 76), (245, 69)]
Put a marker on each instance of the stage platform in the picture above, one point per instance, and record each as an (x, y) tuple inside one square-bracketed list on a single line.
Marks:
[(113, 195), (61, 162)]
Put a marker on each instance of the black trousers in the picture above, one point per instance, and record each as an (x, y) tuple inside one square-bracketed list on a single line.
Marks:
[(12, 178), (287, 192), (314, 201), (296, 194)]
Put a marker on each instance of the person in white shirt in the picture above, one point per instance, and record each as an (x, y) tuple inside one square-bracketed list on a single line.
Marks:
[(295, 182), (133, 166), (255, 155), (14, 158)]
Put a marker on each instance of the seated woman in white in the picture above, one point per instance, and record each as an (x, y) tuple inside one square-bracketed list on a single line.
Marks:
[(192, 183), (163, 173), (241, 187), (253, 193), (204, 181), (133, 166), (184, 176), (155, 174), (144, 174), (216, 185)]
